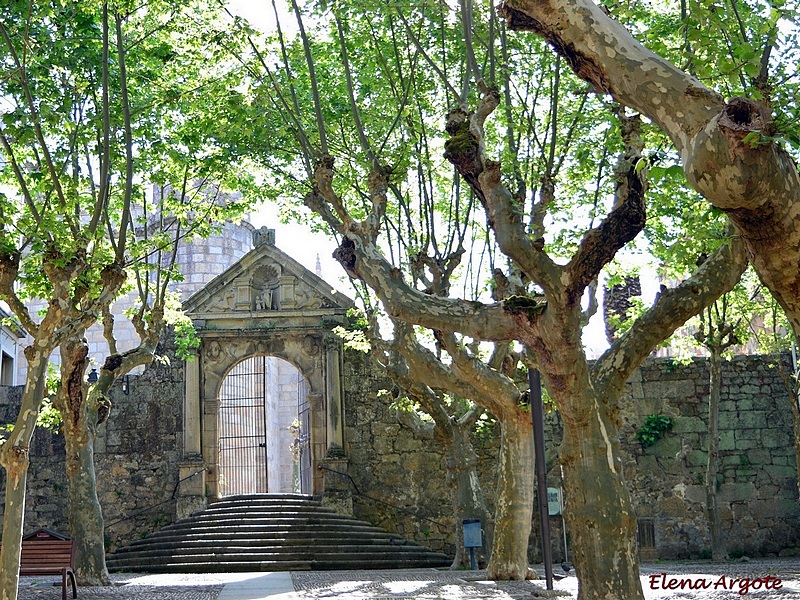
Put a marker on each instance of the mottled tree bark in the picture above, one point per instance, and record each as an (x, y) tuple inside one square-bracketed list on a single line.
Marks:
[(81, 420), (15, 458), (514, 502), (84, 409), (453, 435), (467, 493), (598, 511), (757, 185)]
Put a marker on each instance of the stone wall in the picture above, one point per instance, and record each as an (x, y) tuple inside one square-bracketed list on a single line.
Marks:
[(400, 477), (757, 480), (136, 458)]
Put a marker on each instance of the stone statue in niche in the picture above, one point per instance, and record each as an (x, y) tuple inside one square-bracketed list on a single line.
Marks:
[(264, 299), (265, 288)]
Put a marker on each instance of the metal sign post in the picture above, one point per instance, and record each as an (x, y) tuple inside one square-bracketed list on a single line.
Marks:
[(473, 538), (537, 415)]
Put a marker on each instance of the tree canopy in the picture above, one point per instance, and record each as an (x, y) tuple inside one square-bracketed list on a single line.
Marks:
[(103, 103), (423, 129)]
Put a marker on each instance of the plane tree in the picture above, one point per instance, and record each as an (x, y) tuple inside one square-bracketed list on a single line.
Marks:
[(101, 101), (728, 114), (722, 85), (432, 390), (354, 105)]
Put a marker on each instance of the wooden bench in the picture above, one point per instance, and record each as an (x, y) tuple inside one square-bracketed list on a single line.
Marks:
[(50, 557)]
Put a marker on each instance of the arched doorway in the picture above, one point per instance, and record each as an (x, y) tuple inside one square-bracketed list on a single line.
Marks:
[(264, 429), (236, 323)]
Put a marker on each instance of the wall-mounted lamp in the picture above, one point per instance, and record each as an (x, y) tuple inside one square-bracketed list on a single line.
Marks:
[(126, 385), (93, 376)]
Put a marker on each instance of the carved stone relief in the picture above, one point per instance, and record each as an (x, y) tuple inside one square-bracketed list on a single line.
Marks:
[(265, 287), (305, 297), (223, 302)]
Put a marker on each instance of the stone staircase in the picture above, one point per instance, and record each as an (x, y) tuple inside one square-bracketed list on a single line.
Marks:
[(270, 532)]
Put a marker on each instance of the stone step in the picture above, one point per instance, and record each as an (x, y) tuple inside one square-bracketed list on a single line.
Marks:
[(212, 529), (206, 567), (271, 553), (268, 533), (275, 519), (275, 498), (266, 500), (298, 509), (258, 541), (265, 566)]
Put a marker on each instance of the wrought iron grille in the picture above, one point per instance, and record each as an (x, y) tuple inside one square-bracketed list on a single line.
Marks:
[(304, 441), (243, 459), (261, 401), (646, 534)]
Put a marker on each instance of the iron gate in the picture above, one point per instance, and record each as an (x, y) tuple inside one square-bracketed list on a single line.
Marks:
[(264, 429), (304, 439), (243, 459)]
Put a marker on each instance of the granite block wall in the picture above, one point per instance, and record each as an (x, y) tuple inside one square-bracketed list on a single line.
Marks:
[(136, 458), (401, 478), (757, 482)]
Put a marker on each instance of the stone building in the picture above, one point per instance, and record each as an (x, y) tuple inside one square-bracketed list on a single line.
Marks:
[(273, 403)]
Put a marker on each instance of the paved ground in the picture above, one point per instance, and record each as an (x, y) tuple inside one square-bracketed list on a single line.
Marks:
[(769, 579)]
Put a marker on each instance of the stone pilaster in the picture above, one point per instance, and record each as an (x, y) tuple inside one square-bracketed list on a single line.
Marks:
[(191, 492), (333, 393), (191, 407)]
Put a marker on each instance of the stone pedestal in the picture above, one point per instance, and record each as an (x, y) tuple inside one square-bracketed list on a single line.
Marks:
[(337, 488), (191, 494)]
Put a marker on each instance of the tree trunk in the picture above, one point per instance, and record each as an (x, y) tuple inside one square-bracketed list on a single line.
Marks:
[(718, 550), (15, 458), (83, 507), (80, 425), (468, 498), (514, 504), (599, 512)]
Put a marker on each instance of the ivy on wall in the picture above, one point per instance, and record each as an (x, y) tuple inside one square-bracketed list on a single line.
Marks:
[(653, 429)]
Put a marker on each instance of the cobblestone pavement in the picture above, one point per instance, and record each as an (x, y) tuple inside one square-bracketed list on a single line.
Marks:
[(422, 584), (698, 580), (767, 579), (130, 587)]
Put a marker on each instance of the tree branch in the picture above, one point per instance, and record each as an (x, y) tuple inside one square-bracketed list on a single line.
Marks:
[(673, 307), (599, 245)]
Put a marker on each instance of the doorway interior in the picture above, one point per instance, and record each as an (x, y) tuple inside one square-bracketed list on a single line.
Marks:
[(264, 429)]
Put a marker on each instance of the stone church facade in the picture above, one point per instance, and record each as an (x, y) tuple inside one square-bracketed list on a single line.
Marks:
[(272, 399)]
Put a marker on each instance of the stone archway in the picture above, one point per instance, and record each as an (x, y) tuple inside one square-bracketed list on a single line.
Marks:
[(266, 304), (264, 429)]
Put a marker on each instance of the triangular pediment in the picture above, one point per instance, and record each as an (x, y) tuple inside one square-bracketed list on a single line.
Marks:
[(265, 283)]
